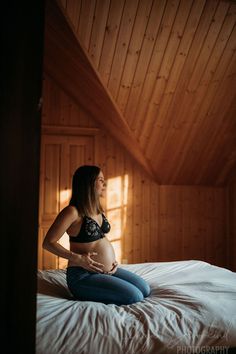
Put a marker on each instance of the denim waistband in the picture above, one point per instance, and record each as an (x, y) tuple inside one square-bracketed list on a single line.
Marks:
[(75, 273)]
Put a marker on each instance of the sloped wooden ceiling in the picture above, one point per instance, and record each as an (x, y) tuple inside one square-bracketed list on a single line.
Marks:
[(170, 67), (70, 67)]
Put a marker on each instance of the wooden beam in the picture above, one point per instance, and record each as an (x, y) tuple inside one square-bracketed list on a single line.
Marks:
[(68, 64)]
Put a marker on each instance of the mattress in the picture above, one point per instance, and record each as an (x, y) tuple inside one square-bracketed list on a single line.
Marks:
[(191, 309)]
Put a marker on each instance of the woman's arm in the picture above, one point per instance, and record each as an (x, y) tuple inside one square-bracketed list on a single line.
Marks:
[(62, 222)]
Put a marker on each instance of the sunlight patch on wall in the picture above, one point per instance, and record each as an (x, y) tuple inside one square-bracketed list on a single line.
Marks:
[(116, 205), (65, 196), (64, 241)]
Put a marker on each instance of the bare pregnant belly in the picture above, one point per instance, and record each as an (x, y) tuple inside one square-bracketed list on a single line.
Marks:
[(104, 250)]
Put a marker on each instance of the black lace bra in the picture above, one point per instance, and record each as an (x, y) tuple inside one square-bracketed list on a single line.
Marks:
[(90, 230)]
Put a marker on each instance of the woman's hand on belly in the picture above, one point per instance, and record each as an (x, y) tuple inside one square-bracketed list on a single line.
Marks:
[(113, 269), (97, 256), (85, 261)]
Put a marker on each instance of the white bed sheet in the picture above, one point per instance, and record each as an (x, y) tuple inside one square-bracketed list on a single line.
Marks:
[(192, 306)]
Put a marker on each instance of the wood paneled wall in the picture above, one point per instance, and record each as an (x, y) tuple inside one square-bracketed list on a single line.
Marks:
[(149, 222), (192, 223), (231, 194)]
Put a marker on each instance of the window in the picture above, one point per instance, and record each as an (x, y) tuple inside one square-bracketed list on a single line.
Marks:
[(116, 206)]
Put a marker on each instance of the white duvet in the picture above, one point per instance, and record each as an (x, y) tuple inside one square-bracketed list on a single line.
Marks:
[(192, 307)]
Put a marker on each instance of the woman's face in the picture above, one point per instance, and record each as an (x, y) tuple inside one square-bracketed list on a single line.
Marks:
[(100, 185)]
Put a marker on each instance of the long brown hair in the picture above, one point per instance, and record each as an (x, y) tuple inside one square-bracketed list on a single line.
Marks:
[(84, 196)]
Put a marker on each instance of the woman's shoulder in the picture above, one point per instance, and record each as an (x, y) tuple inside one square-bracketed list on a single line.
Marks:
[(71, 212)]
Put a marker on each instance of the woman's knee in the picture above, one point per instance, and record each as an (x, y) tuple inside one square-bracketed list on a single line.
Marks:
[(144, 287), (134, 279), (146, 290), (132, 296)]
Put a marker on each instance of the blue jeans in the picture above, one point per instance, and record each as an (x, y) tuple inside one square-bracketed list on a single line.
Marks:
[(121, 288)]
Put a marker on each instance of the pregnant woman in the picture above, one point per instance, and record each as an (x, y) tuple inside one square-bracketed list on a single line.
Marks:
[(92, 273)]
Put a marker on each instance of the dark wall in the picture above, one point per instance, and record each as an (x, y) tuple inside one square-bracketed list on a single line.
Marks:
[(22, 31)]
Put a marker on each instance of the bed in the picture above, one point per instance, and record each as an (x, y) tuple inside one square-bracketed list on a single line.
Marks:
[(191, 309)]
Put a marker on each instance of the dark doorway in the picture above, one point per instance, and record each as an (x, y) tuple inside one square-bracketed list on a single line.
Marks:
[(21, 80)]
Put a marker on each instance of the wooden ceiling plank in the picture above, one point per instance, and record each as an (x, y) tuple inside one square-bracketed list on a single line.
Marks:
[(98, 30), (218, 50), (204, 134), (220, 114), (209, 44), (179, 62), (214, 63), (212, 150), (152, 116), (223, 156), (66, 61), (186, 42), (155, 63), (173, 134), (85, 24), (143, 61), (187, 132), (122, 45), (182, 97), (73, 8), (111, 34), (133, 53), (209, 96)]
